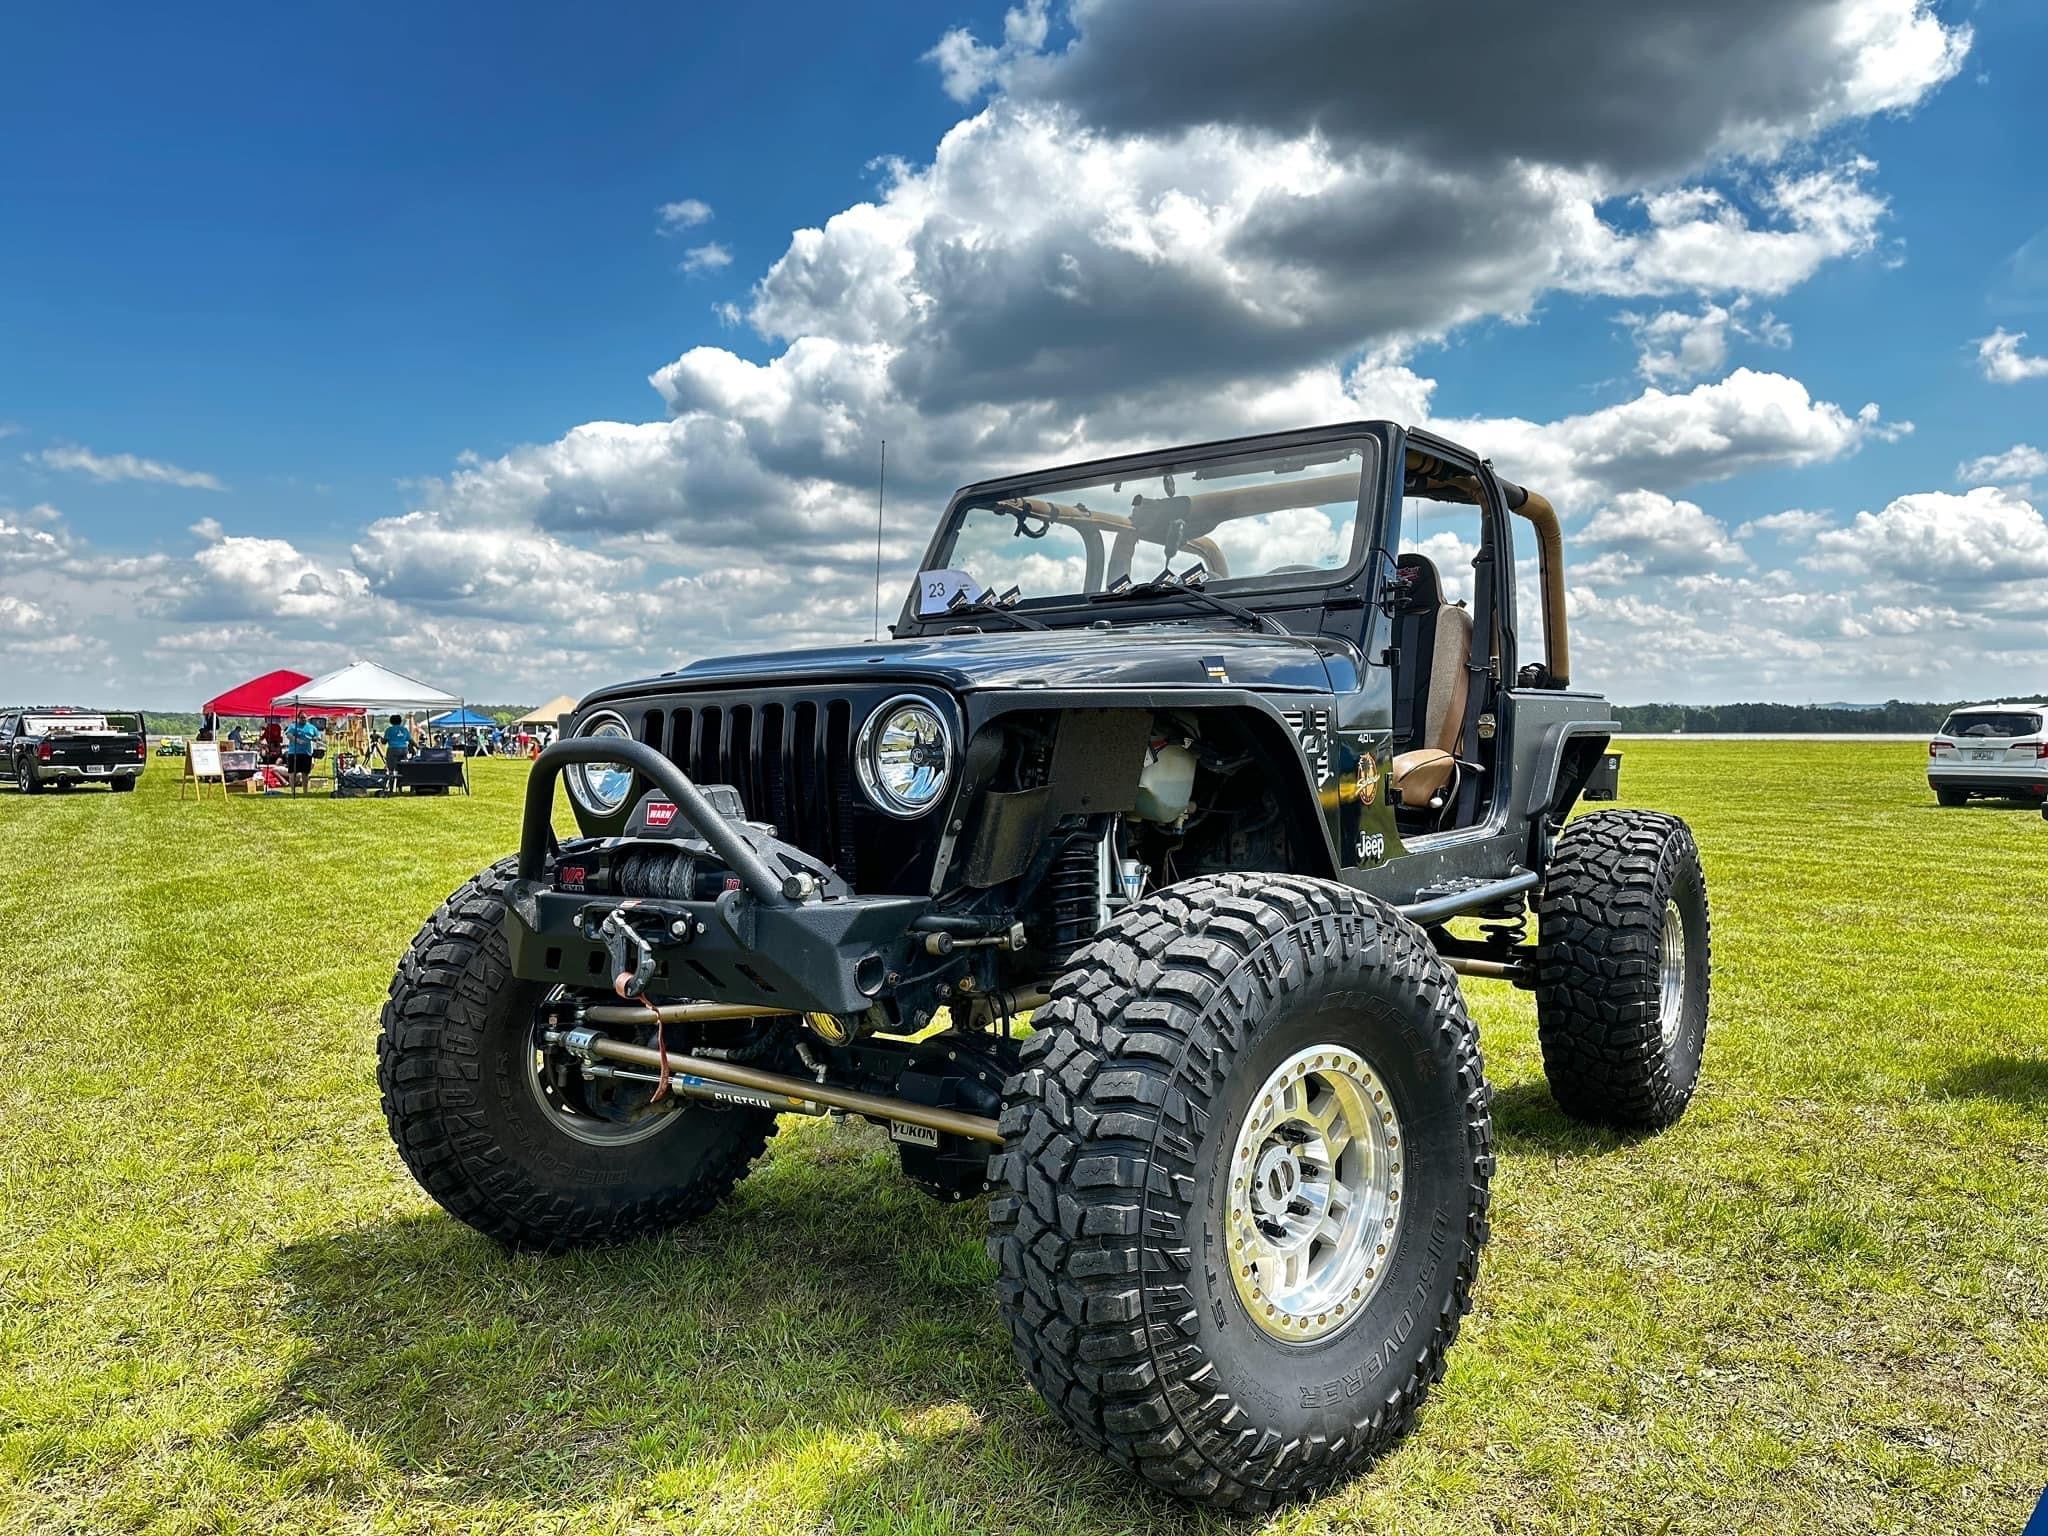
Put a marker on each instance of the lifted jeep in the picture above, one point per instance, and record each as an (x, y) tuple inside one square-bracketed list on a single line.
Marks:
[(1121, 885)]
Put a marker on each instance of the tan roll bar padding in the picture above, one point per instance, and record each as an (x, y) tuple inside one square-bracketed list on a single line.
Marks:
[(1557, 655)]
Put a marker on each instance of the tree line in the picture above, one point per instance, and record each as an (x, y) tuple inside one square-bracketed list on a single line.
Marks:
[(1893, 717)]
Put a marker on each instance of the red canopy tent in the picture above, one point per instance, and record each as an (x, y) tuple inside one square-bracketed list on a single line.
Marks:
[(258, 697)]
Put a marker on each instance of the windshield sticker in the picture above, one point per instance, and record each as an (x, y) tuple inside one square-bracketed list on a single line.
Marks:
[(937, 589)]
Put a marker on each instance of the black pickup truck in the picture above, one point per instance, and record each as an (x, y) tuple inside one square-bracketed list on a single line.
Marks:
[(61, 746)]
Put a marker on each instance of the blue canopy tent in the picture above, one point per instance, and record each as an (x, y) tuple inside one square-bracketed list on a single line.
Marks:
[(459, 719)]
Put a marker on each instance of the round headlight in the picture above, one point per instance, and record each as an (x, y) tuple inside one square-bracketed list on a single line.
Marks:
[(905, 756), (601, 788)]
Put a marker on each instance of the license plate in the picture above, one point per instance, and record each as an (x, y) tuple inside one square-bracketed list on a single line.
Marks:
[(97, 768), (1984, 757)]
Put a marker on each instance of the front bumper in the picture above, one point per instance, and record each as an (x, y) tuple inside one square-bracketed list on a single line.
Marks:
[(786, 933), (821, 957)]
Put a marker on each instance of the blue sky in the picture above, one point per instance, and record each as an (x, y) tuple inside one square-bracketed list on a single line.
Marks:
[(305, 316)]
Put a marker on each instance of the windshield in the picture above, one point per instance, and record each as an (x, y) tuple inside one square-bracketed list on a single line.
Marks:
[(1277, 513), (2001, 723)]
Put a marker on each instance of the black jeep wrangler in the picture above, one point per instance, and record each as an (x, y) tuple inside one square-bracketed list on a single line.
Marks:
[(1120, 885)]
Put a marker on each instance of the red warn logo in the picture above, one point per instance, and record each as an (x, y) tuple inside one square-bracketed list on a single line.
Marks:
[(660, 813), (571, 877)]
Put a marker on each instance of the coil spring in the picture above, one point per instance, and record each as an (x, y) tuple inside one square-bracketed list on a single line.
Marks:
[(1506, 927), (1071, 894)]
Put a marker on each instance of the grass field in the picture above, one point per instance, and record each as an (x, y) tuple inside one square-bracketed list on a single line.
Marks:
[(1819, 1304)]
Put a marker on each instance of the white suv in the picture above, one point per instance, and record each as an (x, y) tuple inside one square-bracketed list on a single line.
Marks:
[(1990, 749)]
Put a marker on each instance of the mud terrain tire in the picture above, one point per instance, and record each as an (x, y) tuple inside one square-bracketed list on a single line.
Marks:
[(1622, 1036), (1113, 1212), (473, 1131)]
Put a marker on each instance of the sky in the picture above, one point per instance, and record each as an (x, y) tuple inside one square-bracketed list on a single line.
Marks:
[(526, 350)]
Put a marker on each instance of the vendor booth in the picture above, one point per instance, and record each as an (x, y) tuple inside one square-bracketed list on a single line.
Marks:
[(378, 690)]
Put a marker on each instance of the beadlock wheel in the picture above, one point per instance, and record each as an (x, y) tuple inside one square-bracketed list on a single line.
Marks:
[(1315, 1194)]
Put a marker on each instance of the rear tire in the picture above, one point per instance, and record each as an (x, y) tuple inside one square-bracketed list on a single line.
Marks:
[(453, 1069), (25, 777), (1623, 969), (123, 786), (1119, 1222), (1952, 797)]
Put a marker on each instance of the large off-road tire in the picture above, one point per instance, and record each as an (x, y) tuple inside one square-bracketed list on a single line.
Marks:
[(1952, 797), (453, 1067), (1623, 969), (1139, 1157)]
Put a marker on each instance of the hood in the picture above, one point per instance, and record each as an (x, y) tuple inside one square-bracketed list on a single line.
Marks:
[(1158, 655)]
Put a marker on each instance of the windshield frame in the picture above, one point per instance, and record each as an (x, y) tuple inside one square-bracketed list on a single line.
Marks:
[(1373, 440)]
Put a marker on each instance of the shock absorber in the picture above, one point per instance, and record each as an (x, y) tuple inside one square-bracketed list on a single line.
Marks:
[(1073, 896)]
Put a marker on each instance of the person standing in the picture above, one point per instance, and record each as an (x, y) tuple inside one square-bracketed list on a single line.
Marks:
[(397, 742), (300, 737)]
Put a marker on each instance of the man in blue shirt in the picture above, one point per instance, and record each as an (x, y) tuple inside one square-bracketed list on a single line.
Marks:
[(397, 742), (300, 738)]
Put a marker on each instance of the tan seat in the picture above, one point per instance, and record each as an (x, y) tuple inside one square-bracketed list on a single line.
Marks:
[(1420, 775)]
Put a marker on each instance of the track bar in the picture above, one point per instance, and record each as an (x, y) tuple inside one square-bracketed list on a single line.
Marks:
[(957, 1122)]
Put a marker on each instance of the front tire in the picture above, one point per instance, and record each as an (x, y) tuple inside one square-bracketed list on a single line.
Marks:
[(454, 1065), (1624, 966), (1172, 1115)]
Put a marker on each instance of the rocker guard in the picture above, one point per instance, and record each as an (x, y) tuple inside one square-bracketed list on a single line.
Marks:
[(757, 944)]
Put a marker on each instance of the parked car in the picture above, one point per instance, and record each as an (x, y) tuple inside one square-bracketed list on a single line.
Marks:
[(62, 746), (1990, 749), (1207, 798)]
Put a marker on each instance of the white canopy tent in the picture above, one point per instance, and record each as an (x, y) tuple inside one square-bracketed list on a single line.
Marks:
[(368, 686)]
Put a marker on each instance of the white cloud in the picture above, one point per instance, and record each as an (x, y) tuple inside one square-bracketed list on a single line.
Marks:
[(967, 67), (19, 616), (1661, 535), (1746, 421), (126, 466), (1677, 346), (685, 214), (2014, 467), (709, 257), (1794, 524), (1935, 539), (2000, 357)]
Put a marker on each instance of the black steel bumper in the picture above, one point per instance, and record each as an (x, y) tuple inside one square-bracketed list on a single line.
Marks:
[(765, 942)]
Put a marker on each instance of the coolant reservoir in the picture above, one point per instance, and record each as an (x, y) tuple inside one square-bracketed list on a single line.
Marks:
[(1165, 784)]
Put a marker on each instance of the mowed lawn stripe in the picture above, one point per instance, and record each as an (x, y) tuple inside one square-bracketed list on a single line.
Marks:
[(1820, 1302)]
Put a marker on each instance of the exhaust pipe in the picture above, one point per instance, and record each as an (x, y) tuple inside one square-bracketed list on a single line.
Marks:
[(784, 1093)]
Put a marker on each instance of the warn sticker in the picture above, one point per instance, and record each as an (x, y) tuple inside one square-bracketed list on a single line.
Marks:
[(660, 813)]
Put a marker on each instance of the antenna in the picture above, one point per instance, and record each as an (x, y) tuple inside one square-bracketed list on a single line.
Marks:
[(881, 490)]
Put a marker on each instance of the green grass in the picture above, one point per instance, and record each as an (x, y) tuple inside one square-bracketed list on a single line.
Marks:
[(1818, 1304)]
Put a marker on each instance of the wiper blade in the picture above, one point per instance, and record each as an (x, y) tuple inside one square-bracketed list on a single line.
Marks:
[(988, 605), (1188, 585)]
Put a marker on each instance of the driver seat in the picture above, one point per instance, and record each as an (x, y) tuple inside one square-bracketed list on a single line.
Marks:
[(1419, 777)]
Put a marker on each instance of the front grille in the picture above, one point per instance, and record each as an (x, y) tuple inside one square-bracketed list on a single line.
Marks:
[(790, 759)]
